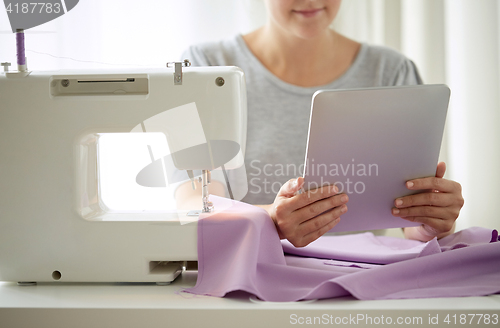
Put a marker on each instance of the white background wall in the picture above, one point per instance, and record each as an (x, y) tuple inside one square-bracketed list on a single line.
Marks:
[(456, 42), (104, 33)]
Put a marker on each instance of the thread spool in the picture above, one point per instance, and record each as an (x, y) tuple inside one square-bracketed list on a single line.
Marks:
[(21, 55)]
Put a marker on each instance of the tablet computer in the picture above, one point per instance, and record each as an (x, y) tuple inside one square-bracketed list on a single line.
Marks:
[(369, 142)]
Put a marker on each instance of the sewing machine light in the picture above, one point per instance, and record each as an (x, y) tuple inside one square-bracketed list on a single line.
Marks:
[(120, 157)]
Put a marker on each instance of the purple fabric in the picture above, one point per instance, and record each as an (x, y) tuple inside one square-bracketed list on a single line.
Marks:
[(239, 249), (363, 247)]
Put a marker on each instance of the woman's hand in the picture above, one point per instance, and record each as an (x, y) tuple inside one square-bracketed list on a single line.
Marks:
[(303, 218), (437, 209)]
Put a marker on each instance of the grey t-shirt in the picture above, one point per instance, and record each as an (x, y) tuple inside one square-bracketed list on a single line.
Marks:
[(278, 112)]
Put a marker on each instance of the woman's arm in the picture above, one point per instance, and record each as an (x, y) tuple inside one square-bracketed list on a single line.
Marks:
[(187, 198)]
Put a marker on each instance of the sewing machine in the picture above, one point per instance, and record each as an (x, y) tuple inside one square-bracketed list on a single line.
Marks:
[(91, 160)]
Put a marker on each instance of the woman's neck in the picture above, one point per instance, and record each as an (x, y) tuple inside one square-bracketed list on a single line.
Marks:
[(303, 62)]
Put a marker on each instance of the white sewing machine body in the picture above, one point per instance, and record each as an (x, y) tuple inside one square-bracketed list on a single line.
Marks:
[(54, 223)]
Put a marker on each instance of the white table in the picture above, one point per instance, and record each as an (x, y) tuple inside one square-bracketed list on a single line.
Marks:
[(72, 305)]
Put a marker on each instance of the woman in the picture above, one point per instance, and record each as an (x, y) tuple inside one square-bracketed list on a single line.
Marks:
[(285, 61)]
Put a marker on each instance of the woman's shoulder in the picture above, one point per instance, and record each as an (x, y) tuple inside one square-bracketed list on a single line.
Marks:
[(384, 54), (391, 66), (225, 52)]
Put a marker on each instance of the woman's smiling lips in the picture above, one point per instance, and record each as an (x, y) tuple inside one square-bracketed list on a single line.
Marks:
[(308, 12)]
